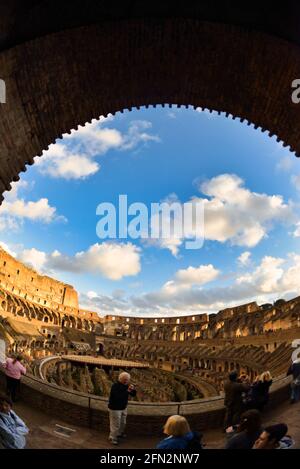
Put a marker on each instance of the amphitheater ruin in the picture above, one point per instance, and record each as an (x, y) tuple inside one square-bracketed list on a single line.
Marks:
[(61, 71), (178, 363)]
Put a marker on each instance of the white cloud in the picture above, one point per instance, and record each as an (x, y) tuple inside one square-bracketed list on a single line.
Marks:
[(244, 258), (296, 233), (190, 291), (35, 211), (91, 294), (232, 213), (197, 275), (73, 157), (114, 261), (15, 209), (272, 278), (14, 191), (59, 162), (7, 248), (33, 258), (266, 276), (111, 260)]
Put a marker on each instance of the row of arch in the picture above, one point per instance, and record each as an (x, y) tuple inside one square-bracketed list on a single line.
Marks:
[(20, 307)]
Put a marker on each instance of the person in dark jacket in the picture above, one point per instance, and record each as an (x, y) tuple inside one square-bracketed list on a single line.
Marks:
[(179, 435), (294, 370), (117, 405), (247, 432), (274, 437), (259, 393), (234, 399)]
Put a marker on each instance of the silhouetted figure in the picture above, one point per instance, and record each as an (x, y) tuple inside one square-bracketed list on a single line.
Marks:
[(233, 400), (259, 392), (274, 437), (294, 370), (247, 432)]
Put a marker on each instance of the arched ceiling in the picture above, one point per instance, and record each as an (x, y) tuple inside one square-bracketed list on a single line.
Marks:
[(64, 67)]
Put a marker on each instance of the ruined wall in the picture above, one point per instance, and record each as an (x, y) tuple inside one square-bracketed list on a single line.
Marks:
[(248, 320), (27, 283)]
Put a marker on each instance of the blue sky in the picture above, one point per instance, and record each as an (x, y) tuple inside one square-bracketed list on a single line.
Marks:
[(250, 183)]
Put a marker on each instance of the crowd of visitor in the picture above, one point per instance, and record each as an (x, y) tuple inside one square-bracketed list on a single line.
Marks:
[(241, 395), (244, 402)]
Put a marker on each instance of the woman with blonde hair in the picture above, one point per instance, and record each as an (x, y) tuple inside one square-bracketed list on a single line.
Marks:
[(179, 435), (260, 391)]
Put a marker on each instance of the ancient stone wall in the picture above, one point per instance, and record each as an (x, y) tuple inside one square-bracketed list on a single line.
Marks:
[(231, 323), (29, 284)]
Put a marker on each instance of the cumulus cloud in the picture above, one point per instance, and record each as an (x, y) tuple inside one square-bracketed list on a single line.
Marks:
[(236, 214), (192, 290), (111, 260), (189, 291), (244, 258), (35, 211), (271, 278), (60, 162), (197, 275), (74, 156), (8, 249), (104, 304), (232, 213), (33, 258), (15, 209)]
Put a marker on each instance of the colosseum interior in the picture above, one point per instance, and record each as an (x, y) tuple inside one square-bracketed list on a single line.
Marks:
[(244, 53), (174, 361)]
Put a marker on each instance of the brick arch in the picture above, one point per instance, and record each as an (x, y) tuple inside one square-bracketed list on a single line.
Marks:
[(57, 82)]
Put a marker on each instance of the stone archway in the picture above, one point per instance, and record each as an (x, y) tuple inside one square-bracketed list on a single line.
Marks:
[(132, 63)]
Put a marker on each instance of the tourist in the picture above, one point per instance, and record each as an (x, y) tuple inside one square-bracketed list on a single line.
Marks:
[(13, 371), (179, 435), (247, 432), (12, 428), (294, 370), (233, 400), (274, 437), (117, 405), (259, 393), (243, 378)]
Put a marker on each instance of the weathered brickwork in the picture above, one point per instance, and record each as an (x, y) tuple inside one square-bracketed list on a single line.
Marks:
[(64, 79)]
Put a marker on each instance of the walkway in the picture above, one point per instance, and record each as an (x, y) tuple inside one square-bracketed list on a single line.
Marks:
[(49, 433)]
